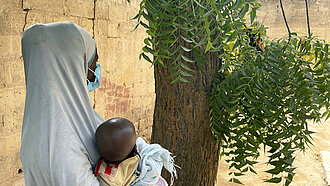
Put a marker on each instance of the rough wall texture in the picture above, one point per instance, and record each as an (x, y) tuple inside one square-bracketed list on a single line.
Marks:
[(127, 85), (295, 11)]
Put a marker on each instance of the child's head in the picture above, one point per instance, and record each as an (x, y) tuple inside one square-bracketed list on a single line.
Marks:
[(115, 139)]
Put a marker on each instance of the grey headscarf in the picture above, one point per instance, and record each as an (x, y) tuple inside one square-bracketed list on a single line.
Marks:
[(58, 145)]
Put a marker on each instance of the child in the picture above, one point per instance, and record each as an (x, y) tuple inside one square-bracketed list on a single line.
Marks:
[(120, 163), (115, 139)]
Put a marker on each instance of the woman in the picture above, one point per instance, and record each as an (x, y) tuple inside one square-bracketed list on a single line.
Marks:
[(58, 145)]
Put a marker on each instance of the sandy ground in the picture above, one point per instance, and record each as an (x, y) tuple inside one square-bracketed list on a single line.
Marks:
[(309, 172)]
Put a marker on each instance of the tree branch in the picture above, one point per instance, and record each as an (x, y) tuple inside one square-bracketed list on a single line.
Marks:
[(286, 23), (309, 28)]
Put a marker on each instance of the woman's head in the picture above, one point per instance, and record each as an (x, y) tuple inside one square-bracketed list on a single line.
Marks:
[(115, 139), (58, 52)]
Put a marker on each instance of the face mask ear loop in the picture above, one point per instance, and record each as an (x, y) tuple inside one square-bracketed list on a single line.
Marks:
[(91, 70)]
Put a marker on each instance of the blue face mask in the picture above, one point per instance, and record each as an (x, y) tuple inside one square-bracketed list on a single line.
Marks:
[(97, 73)]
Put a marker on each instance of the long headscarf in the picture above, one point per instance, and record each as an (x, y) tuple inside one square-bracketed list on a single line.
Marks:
[(58, 145)]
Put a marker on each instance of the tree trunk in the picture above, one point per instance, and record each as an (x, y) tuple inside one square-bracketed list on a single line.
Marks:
[(182, 123)]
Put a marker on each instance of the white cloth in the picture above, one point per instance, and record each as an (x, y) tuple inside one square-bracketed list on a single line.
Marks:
[(153, 158), (58, 144)]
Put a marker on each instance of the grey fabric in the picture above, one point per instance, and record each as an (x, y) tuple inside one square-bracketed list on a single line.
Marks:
[(153, 159), (58, 145)]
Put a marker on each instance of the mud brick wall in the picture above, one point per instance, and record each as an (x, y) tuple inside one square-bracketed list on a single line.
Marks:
[(295, 11), (127, 85)]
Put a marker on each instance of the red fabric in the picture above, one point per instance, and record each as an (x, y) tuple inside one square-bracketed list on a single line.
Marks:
[(108, 170), (98, 166), (109, 167)]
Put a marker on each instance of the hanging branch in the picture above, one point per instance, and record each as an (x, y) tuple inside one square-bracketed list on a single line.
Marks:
[(286, 23), (309, 29)]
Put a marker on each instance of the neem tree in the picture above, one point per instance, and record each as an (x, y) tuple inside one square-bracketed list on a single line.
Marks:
[(218, 86)]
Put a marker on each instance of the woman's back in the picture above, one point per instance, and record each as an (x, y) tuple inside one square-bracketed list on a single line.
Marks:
[(58, 145)]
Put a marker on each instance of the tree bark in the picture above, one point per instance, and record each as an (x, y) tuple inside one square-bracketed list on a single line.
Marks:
[(182, 123)]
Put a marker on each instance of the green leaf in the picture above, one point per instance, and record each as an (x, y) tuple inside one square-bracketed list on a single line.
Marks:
[(245, 170), (243, 11), (241, 86), (276, 155), (148, 50), (288, 179), (183, 80), (147, 17), (199, 4), (175, 80), (275, 147), (236, 4), (186, 59), (289, 161), (275, 170), (208, 46), (252, 170), (251, 162), (238, 174), (187, 40), (253, 14), (185, 49), (175, 74), (246, 104), (237, 181), (159, 61), (266, 110), (274, 180), (208, 13), (146, 58), (226, 2), (144, 25), (146, 41), (269, 103), (250, 98), (237, 43), (186, 67), (286, 147), (185, 74)]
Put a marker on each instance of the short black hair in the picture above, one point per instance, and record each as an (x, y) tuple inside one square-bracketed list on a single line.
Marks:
[(115, 139)]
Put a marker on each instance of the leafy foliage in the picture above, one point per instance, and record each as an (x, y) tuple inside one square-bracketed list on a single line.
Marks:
[(265, 99), (184, 30), (262, 96)]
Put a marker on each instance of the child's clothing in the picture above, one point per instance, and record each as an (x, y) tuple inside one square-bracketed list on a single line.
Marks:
[(138, 171), (117, 174)]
